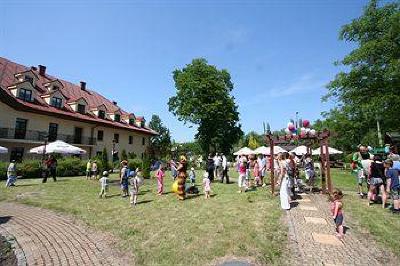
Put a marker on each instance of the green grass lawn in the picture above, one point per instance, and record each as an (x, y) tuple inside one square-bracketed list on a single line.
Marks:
[(162, 230), (380, 223)]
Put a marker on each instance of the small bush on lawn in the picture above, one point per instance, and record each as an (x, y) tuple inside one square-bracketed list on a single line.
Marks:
[(3, 170), (134, 163), (71, 167), (29, 169)]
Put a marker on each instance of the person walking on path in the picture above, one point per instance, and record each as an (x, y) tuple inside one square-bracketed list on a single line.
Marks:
[(225, 169), (160, 180), (51, 164), (283, 181), (181, 178), (11, 174)]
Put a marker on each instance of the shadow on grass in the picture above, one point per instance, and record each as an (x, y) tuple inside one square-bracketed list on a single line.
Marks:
[(144, 201), (192, 196), (26, 185)]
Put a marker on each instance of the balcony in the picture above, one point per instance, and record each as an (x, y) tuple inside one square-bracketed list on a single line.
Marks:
[(39, 136)]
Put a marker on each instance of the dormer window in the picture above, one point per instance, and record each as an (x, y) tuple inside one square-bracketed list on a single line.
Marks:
[(132, 121), (56, 102), (102, 114), (81, 109), (25, 95), (117, 117), (55, 87), (29, 78)]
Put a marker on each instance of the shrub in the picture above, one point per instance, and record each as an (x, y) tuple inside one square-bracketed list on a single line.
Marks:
[(29, 169), (146, 167), (3, 170), (71, 167), (124, 156), (134, 163)]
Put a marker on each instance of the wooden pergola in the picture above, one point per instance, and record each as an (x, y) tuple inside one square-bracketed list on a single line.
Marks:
[(322, 138)]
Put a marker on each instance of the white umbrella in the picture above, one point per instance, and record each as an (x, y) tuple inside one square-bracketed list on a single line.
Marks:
[(277, 149), (3, 150), (331, 151), (262, 150), (300, 150), (58, 146), (244, 151)]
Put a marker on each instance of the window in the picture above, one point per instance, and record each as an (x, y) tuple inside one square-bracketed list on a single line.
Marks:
[(99, 153), (55, 87), (131, 122), (29, 78), (100, 135), (143, 141), (17, 153), (102, 114), (130, 139), (25, 95), (20, 128), (81, 108), (116, 138), (78, 135), (56, 102), (117, 117), (142, 155), (53, 129)]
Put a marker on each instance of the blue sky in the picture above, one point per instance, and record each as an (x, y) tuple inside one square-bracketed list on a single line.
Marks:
[(280, 53)]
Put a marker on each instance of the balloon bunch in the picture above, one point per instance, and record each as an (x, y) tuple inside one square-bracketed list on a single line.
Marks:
[(303, 131)]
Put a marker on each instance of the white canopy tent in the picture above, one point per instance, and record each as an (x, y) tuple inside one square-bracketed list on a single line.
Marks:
[(332, 151), (244, 151), (3, 150), (262, 150), (277, 149), (58, 146), (300, 150)]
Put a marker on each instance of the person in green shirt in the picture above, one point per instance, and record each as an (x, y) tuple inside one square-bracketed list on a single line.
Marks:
[(360, 164)]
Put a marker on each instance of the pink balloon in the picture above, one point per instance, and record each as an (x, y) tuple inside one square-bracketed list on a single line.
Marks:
[(291, 127), (306, 123)]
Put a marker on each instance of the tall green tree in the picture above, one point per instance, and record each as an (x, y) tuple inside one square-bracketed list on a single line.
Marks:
[(368, 87), (203, 97), (160, 145)]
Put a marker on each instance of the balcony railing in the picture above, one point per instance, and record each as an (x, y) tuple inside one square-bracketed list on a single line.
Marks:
[(40, 136)]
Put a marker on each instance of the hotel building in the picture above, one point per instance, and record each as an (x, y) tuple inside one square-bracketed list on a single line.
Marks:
[(36, 107)]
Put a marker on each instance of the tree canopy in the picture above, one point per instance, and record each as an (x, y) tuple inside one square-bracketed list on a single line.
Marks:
[(160, 145), (203, 98), (368, 87)]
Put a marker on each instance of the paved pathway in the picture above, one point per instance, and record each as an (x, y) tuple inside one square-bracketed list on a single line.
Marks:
[(312, 240), (43, 237)]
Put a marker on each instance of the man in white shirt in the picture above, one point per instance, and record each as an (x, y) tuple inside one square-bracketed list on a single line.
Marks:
[(224, 169)]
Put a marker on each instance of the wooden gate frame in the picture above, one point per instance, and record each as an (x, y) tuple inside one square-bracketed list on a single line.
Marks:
[(322, 137)]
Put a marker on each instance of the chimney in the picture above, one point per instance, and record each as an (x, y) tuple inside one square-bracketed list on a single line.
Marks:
[(115, 103), (42, 70), (83, 85)]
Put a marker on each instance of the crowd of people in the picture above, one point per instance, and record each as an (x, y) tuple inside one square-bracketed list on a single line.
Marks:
[(380, 176)]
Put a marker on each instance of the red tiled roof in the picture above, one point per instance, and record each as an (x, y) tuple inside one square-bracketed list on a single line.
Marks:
[(71, 91)]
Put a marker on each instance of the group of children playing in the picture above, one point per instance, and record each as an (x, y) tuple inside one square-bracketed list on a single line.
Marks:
[(135, 180)]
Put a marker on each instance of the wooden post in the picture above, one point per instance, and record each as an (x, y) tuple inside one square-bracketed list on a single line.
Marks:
[(328, 166), (323, 166)]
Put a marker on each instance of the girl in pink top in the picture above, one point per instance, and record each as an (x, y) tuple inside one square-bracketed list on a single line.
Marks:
[(256, 172), (160, 180), (207, 185), (337, 212), (242, 174)]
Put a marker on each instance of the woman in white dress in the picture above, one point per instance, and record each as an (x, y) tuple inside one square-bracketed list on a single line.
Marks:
[(283, 180)]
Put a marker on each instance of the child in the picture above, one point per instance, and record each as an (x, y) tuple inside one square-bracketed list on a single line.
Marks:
[(256, 172), (192, 176), (393, 185), (89, 170), (11, 174), (309, 171), (242, 174), (94, 170), (207, 185), (136, 180), (104, 185), (248, 166), (124, 179), (337, 212), (160, 180)]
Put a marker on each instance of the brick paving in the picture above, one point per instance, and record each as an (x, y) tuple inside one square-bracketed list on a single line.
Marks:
[(312, 240), (43, 237)]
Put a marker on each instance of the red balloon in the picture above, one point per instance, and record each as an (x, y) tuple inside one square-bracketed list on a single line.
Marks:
[(306, 123)]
